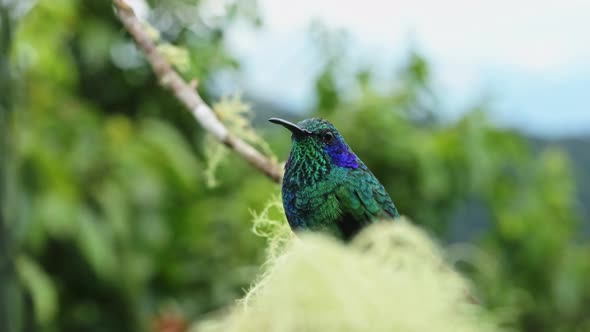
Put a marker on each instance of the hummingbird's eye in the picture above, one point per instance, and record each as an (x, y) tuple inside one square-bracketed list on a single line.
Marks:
[(328, 137)]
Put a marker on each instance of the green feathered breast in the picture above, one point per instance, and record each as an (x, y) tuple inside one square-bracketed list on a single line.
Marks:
[(326, 187)]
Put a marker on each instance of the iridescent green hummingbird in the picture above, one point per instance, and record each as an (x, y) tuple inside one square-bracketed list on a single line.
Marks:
[(326, 187)]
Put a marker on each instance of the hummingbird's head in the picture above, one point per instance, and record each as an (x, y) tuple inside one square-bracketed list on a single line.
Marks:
[(317, 146)]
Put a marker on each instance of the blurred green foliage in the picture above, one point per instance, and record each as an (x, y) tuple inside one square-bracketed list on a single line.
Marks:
[(108, 205), (528, 265), (110, 222)]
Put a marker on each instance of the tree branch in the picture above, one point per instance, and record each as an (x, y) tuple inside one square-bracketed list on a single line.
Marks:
[(188, 96)]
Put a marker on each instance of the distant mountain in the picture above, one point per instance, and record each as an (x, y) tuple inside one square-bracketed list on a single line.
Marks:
[(578, 149)]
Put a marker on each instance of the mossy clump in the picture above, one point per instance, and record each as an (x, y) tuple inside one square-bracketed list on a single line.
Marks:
[(392, 277)]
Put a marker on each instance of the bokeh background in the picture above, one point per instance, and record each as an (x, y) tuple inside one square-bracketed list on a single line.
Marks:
[(120, 214)]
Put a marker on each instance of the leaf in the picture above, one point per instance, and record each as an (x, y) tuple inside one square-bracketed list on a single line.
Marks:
[(96, 242), (41, 288)]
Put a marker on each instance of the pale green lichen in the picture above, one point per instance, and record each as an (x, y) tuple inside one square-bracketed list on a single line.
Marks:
[(392, 277), (271, 224), (178, 56), (236, 115), (215, 154), (151, 31)]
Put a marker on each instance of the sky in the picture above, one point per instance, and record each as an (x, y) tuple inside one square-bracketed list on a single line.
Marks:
[(531, 56)]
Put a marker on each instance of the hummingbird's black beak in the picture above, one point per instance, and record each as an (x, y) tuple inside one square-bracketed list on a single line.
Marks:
[(295, 129)]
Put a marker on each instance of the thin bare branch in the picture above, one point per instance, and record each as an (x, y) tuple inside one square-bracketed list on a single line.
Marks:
[(188, 96)]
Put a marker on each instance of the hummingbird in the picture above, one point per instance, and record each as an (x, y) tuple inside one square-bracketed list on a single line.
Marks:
[(326, 187)]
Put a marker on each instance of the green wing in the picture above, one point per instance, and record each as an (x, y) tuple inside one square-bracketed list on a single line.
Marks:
[(364, 199)]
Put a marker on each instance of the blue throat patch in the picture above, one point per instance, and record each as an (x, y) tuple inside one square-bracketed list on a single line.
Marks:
[(341, 155)]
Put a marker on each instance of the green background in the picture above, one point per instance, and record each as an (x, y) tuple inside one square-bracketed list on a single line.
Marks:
[(110, 221)]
